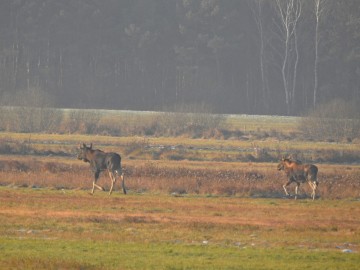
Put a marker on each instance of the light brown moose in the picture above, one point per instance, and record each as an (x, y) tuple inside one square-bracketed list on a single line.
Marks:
[(298, 173)]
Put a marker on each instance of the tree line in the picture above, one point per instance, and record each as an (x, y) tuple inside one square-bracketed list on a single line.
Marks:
[(255, 56)]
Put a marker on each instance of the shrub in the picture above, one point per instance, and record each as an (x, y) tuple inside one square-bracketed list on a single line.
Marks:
[(337, 120), (136, 145), (193, 120), (83, 121), (29, 111)]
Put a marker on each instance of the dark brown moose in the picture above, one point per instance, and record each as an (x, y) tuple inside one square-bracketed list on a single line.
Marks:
[(101, 161), (298, 173)]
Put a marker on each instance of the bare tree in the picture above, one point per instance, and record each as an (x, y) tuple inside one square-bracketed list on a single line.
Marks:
[(289, 12), (320, 7), (296, 51), (257, 7)]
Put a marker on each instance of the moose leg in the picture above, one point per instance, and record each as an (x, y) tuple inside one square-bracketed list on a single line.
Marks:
[(296, 189), (120, 173), (113, 180), (313, 186), (123, 182), (284, 186), (97, 173)]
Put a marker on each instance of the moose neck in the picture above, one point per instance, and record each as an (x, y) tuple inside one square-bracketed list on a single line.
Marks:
[(89, 154)]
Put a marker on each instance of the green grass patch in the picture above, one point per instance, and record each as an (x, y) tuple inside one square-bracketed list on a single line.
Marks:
[(87, 254), (50, 229)]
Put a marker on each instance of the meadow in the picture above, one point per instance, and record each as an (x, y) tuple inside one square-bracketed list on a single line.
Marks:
[(69, 229), (192, 203)]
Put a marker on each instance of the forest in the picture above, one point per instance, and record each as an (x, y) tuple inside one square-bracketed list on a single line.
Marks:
[(278, 57)]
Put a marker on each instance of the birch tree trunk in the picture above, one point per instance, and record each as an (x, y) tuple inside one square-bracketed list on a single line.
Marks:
[(319, 9), (257, 12), (298, 13), (289, 14)]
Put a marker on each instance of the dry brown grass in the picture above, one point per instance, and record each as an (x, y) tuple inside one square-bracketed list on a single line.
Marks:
[(178, 177), (52, 229), (202, 214)]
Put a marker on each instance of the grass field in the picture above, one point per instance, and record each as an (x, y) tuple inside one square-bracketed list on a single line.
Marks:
[(69, 229), (191, 204)]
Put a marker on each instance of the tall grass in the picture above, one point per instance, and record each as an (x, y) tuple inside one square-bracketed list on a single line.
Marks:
[(236, 179)]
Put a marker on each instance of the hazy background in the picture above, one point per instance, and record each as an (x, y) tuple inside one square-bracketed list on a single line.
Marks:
[(230, 56)]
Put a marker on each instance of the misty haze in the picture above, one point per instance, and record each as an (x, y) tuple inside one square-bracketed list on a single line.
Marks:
[(218, 134), (243, 57)]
